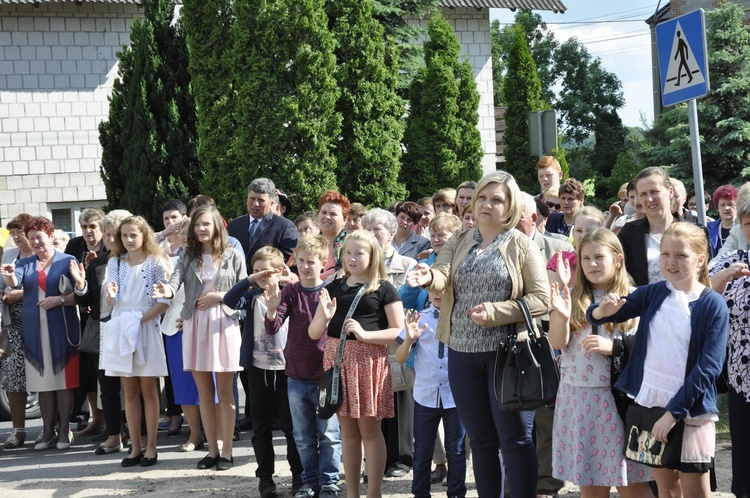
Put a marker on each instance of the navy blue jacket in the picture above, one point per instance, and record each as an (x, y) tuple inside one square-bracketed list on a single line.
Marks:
[(709, 318), (242, 297), (273, 230)]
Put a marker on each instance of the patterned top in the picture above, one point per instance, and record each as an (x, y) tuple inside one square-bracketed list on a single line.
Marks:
[(481, 277), (153, 271), (737, 296)]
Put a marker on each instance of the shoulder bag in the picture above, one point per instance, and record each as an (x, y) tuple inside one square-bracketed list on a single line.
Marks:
[(330, 388), (526, 370), (65, 286)]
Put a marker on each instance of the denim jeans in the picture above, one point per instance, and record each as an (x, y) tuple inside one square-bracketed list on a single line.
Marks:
[(426, 422), (318, 440)]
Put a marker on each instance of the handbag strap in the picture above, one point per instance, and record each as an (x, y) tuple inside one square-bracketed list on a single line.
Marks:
[(342, 337), (527, 319)]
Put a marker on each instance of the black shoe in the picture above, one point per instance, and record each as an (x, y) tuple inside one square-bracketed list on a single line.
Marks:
[(149, 462), (131, 462), (236, 436), (208, 462), (177, 430), (267, 487), (246, 424), (225, 464)]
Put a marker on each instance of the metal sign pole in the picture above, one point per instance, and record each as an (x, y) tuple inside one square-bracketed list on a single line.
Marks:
[(695, 149), (539, 119)]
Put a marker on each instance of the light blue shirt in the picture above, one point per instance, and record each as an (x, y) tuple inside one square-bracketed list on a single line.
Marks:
[(431, 388)]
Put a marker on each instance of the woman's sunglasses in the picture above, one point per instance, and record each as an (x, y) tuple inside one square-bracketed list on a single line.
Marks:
[(553, 205)]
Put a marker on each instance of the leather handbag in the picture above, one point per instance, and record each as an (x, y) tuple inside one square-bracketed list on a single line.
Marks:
[(90, 337), (641, 445), (330, 387), (65, 286), (526, 370)]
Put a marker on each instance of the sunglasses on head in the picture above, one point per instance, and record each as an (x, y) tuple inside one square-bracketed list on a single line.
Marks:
[(553, 205)]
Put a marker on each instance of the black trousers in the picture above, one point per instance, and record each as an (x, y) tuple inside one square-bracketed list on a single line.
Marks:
[(268, 390), (111, 406)]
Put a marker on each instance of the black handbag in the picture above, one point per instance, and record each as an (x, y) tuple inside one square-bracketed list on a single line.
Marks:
[(330, 388), (526, 371), (621, 348), (641, 445)]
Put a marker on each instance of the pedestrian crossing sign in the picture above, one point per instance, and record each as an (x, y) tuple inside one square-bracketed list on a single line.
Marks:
[(683, 58)]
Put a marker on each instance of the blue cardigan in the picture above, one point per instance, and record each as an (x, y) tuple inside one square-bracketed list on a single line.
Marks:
[(709, 318)]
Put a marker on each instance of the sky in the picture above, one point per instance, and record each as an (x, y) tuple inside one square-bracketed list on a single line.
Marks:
[(624, 46)]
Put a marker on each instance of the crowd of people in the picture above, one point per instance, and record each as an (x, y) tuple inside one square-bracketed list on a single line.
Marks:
[(265, 302)]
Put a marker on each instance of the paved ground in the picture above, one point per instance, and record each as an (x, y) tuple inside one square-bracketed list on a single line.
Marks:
[(79, 473)]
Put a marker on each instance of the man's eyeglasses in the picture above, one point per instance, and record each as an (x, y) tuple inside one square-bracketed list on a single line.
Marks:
[(552, 205), (89, 227)]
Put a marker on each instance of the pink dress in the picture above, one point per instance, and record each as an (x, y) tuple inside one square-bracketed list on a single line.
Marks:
[(211, 340)]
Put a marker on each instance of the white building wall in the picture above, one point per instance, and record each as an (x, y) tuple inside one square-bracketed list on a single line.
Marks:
[(57, 67), (472, 28)]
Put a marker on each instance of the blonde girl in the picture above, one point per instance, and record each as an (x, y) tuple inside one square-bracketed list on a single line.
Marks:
[(211, 339), (587, 437), (136, 264), (678, 353), (376, 322)]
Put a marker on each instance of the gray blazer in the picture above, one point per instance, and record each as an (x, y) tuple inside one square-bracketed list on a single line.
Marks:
[(187, 272)]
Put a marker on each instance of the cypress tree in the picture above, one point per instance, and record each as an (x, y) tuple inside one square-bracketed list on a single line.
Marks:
[(148, 142), (369, 147), (442, 142), (208, 24), (286, 120), (522, 94)]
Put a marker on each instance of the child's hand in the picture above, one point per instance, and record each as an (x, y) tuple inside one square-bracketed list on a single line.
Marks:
[(259, 277), (735, 270), (111, 290), (563, 267), (159, 291), (597, 344), (609, 305), (560, 300), (663, 426), (326, 304), (478, 314), (272, 295), (352, 326), (413, 330), (287, 276), (208, 300), (420, 276)]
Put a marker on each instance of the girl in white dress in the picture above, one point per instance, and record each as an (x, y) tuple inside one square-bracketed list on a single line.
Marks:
[(132, 344)]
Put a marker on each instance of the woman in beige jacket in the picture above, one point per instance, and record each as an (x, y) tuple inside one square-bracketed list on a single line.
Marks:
[(483, 271)]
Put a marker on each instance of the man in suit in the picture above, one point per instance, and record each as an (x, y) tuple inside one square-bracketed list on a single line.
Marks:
[(546, 484), (261, 227)]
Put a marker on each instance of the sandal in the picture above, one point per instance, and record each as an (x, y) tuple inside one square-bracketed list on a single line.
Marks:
[(16, 439)]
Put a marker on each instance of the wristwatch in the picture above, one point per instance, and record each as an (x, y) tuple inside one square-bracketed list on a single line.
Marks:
[(62, 300)]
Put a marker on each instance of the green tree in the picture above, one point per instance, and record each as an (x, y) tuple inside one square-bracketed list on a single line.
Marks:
[(208, 23), (392, 15), (369, 147), (442, 142), (284, 70), (149, 140), (522, 94)]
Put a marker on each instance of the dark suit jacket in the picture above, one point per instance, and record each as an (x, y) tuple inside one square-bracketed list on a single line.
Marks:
[(633, 239), (273, 230), (77, 248), (413, 246)]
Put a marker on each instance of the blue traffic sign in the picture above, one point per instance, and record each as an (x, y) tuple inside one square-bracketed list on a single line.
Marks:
[(683, 59)]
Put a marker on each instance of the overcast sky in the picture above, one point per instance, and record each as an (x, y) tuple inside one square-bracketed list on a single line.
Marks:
[(624, 47)]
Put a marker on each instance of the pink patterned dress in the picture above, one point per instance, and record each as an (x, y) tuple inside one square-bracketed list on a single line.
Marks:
[(588, 436)]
